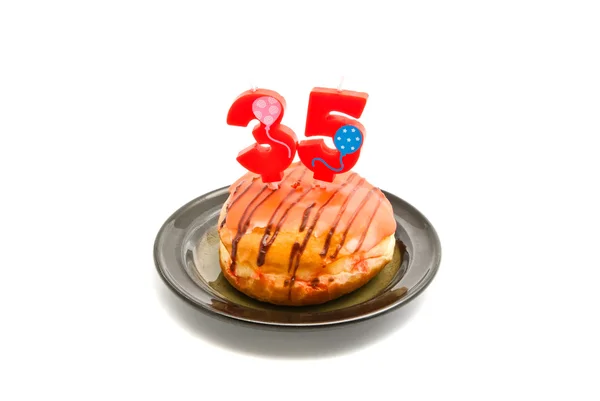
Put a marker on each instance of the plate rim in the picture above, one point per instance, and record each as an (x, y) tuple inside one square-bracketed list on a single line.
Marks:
[(182, 294)]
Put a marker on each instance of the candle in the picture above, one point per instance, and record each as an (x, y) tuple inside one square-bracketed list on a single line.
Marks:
[(347, 133), (276, 144)]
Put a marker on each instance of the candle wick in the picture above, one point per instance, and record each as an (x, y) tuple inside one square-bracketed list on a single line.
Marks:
[(252, 87), (339, 88)]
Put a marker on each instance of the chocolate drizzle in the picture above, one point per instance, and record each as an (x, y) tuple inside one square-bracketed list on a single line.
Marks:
[(243, 224), (233, 201), (338, 218), (266, 242), (364, 234), (305, 216), (247, 217), (356, 211), (297, 255), (295, 248)]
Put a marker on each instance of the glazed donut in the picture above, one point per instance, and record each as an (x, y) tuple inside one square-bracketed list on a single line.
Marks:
[(304, 243)]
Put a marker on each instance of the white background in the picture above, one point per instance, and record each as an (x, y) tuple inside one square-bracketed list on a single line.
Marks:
[(482, 114)]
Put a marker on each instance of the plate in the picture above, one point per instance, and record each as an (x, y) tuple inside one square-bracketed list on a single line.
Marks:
[(186, 254)]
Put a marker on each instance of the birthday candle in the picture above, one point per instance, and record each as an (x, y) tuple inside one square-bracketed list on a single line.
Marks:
[(275, 146), (347, 133)]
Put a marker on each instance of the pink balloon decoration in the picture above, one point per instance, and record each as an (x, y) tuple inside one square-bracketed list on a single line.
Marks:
[(267, 109)]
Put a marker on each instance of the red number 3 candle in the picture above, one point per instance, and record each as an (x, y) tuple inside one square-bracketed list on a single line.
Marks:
[(348, 134), (268, 107)]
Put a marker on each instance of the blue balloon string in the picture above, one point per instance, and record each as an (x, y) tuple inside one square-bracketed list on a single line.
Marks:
[(318, 159)]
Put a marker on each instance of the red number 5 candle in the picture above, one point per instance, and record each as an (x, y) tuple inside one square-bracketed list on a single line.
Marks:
[(267, 107), (348, 134)]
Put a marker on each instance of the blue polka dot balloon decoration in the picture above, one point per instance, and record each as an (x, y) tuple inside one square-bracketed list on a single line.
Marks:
[(348, 139)]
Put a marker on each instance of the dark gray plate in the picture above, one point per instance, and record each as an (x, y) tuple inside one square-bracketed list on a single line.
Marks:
[(186, 254)]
